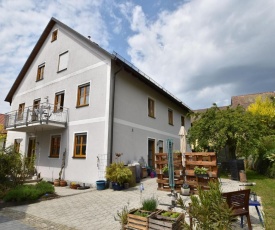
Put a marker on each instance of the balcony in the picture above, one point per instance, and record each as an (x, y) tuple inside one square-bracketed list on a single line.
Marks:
[(43, 118)]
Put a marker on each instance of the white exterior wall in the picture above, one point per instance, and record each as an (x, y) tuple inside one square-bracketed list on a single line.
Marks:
[(84, 65), (133, 127)]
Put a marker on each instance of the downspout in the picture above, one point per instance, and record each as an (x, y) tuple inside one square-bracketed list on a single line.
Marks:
[(113, 114)]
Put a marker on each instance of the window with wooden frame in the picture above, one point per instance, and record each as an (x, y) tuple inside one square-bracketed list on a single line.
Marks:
[(170, 116), (83, 93), (63, 61), (54, 35), (59, 102), (20, 113), (40, 72), (151, 107), (80, 140), (55, 146), (182, 120)]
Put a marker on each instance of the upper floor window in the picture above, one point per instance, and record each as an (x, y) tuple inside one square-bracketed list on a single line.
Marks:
[(59, 102), (55, 146), (182, 120), (83, 95), (151, 107), (63, 61), (40, 72), (80, 140), (21, 109), (170, 116), (54, 35)]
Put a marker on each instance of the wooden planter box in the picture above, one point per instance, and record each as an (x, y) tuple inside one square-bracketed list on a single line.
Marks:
[(159, 222), (138, 222)]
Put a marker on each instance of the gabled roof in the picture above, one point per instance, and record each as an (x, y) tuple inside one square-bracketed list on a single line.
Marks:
[(38, 46), (127, 66)]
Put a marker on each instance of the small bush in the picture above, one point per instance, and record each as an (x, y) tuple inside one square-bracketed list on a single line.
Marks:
[(150, 204), (28, 192)]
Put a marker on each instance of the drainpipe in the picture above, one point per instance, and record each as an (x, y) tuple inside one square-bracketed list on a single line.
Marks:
[(112, 115)]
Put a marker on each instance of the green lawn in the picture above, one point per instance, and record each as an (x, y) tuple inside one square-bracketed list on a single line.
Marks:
[(265, 188)]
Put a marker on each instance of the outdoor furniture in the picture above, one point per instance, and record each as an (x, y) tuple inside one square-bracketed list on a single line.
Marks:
[(256, 204), (239, 202)]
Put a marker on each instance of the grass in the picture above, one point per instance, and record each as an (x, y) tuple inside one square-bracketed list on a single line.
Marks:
[(265, 188), (28, 192)]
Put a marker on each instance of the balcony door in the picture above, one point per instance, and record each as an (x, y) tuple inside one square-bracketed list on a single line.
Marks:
[(35, 109)]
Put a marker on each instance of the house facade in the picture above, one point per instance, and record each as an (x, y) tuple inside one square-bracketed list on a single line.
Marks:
[(73, 100)]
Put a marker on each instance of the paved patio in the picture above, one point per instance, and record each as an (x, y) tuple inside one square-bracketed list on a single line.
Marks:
[(93, 209)]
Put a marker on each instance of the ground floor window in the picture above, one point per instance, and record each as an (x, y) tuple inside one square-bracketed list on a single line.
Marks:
[(80, 140), (55, 146)]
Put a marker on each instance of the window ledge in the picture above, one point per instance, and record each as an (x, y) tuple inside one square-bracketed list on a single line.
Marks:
[(83, 158), (54, 157), (39, 80), (152, 117), (80, 106), (59, 71)]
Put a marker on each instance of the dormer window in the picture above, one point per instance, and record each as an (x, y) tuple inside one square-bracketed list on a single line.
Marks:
[(54, 35), (40, 72)]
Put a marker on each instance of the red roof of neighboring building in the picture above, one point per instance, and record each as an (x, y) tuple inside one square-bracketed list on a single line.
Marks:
[(2, 122)]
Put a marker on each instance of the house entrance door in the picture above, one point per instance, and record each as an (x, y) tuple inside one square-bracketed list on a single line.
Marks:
[(31, 147), (151, 153)]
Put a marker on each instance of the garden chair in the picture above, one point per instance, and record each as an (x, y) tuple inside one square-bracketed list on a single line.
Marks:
[(239, 202)]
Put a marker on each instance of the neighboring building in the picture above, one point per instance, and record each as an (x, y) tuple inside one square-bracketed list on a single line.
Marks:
[(71, 95), (246, 100), (3, 132)]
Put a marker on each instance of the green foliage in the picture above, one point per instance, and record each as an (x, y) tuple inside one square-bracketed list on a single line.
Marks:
[(28, 192), (200, 170), (233, 127), (264, 108), (117, 172), (14, 167), (122, 216), (150, 204), (170, 214), (140, 213), (209, 210), (165, 169)]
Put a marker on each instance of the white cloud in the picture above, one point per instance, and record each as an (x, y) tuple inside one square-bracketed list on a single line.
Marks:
[(22, 23), (206, 46)]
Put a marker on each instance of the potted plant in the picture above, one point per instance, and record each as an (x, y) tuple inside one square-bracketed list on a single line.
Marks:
[(118, 174), (122, 216), (74, 185), (165, 170), (185, 189), (139, 218), (200, 171)]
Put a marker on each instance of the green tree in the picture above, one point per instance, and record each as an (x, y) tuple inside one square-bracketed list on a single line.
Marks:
[(264, 109), (235, 128)]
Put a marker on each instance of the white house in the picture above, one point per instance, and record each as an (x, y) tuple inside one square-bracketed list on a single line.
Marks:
[(71, 95)]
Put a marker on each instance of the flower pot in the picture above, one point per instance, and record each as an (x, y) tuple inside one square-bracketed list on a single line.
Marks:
[(100, 184), (185, 191), (63, 183), (56, 182), (117, 186), (202, 175)]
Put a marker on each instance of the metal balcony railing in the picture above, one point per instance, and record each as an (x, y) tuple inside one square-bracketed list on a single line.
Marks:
[(44, 114)]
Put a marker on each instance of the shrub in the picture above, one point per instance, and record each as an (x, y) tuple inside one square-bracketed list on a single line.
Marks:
[(209, 210), (28, 192), (150, 204)]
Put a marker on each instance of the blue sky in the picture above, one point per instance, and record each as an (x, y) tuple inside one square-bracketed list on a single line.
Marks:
[(202, 51)]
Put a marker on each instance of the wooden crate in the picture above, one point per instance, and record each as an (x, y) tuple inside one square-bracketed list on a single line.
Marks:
[(159, 222), (201, 159), (161, 159), (138, 222)]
